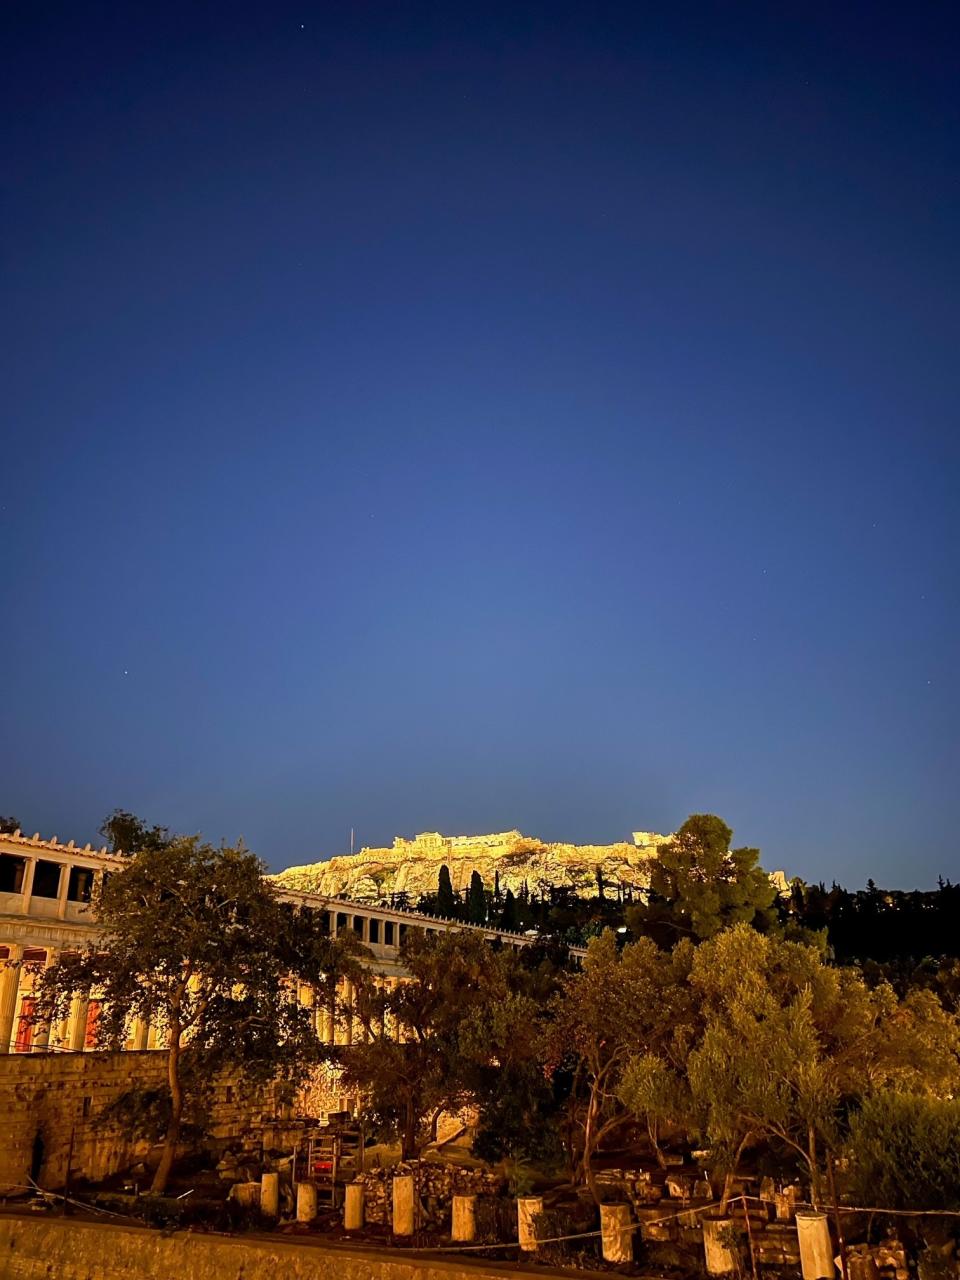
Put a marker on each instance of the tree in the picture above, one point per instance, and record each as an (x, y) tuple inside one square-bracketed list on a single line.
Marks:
[(790, 1043), (9, 825), (194, 940), (447, 900), (409, 1081), (501, 1044), (905, 1151), (598, 876), (699, 885), (510, 918), (477, 900), (126, 833), (624, 1004)]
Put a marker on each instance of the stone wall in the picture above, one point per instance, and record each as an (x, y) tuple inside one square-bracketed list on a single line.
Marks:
[(51, 1103), (434, 1184), (38, 1248)]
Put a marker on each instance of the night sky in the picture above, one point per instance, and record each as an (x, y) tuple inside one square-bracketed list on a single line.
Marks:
[(465, 416)]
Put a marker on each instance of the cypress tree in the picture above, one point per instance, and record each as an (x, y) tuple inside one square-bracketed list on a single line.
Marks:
[(510, 918), (477, 901), (446, 899)]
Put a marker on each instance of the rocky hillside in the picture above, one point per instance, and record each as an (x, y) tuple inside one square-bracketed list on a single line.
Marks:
[(412, 866)]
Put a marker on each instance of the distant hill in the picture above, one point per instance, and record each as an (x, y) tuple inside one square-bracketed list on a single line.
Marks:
[(412, 866)]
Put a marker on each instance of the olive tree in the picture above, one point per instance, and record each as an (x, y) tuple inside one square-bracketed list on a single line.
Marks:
[(790, 1043), (194, 940), (624, 1004)]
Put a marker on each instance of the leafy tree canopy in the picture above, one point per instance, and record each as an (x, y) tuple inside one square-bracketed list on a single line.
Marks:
[(699, 885), (905, 1151), (194, 940), (126, 833), (786, 1045), (623, 1004), (465, 1023)]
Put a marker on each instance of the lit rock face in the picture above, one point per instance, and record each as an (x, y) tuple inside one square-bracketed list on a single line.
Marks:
[(412, 866)]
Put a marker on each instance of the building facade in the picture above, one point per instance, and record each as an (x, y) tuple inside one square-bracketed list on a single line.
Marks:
[(46, 891)]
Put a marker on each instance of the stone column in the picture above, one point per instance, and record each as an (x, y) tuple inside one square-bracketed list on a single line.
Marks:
[(719, 1256), (348, 998), (140, 1032), (306, 1202), (403, 1206), (463, 1219), (64, 890), (9, 993), (615, 1233), (270, 1195), (27, 890), (77, 1032), (380, 1022), (41, 1030), (353, 1206), (528, 1209), (816, 1251)]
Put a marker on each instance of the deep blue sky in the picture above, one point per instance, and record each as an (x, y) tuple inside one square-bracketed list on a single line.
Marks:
[(473, 416)]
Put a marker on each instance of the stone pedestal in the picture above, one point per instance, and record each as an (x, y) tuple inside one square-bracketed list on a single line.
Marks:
[(719, 1256), (463, 1219), (270, 1195), (306, 1202), (246, 1194), (816, 1251), (528, 1209), (615, 1233), (785, 1204), (353, 1206), (403, 1206)]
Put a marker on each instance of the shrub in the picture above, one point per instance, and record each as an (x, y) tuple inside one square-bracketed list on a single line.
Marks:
[(905, 1152)]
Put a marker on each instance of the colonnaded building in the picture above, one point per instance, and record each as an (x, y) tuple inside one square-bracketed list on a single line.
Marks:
[(45, 893)]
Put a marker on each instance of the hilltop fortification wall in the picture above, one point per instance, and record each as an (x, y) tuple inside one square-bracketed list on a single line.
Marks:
[(411, 866)]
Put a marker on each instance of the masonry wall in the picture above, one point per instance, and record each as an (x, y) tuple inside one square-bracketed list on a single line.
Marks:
[(36, 1249), (50, 1102)]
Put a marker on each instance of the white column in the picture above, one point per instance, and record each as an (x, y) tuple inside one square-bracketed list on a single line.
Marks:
[(77, 1032), (348, 1000), (816, 1251), (344, 1022), (528, 1210), (403, 1206), (41, 1030), (141, 1032), (379, 1022), (9, 994), (615, 1233), (27, 889), (270, 1195), (353, 1206), (306, 1202), (463, 1219), (719, 1255), (64, 890)]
